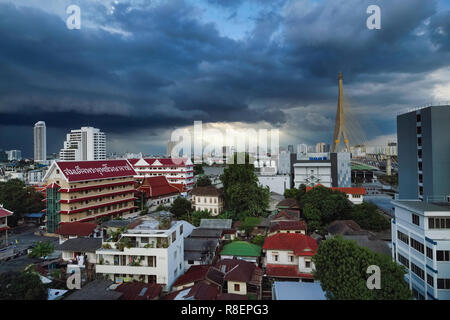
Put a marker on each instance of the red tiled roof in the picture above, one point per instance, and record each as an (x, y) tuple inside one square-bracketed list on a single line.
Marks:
[(166, 162), (289, 225), (81, 229), (53, 185), (4, 212), (139, 291), (95, 170), (193, 274), (347, 190), (157, 186), (300, 244), (283, 271), (284, 214), (203, 291)]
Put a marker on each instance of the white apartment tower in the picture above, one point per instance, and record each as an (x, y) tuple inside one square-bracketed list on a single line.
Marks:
[(87, 143), (40, 141)]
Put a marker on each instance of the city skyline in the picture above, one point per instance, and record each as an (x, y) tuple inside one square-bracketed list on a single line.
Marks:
[(150, 69)]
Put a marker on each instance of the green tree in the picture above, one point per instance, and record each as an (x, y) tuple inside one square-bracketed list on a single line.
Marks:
[(368, 217), (248, 224), (198, 169), (196, 217), (42, 249), (203, 181), (181, 207), (295, 193), (259, 240), (241, 190), (20, 199), (21, 286), (341, 267), (330, 205)]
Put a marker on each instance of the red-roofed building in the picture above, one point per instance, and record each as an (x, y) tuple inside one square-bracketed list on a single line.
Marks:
[(355, 195), (4, 214), (288, 227), (158, 191), (193, 275), (140, 291), (71, 230), (285, 215), (289, 252), (179, 172), (87, 190)]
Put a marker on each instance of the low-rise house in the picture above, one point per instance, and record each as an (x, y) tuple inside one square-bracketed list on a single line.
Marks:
[(284, 215), (200, 291), (199, 251), (80, 250), (139, 291), (206, 233), (4, 214), (289, 256), (96, 290), (353, 194), (241, 277), (289, 290), (207, 198), (193, 275), (288, 227), (149, 251), (344, 227), (222, 224), (241, 250), (158, 191), (291, 205), (71, 230)]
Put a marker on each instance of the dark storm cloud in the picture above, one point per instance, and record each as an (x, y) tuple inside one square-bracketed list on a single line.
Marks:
[(151, 66)]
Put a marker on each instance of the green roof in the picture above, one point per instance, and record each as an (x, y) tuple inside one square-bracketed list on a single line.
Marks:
[(241, 249), (357, 166)]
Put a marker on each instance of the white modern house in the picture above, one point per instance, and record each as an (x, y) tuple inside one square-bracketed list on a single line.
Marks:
[(149, 252), (421, 242)]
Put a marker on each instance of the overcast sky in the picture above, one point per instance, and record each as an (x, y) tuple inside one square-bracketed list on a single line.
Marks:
[(138, 69)]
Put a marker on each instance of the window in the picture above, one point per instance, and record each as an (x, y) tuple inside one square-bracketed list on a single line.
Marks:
[(181, 229), (275, 257), (291, 258), (430, 253), (404, 261), (438, 223), (402, 237), (419, 130), (430, 280), (443, 283), (151, 261), (419, 118), (307, 263), (237, 287), (174, 236), (415, 219), (443, 255), (417, 245), (418, 271)]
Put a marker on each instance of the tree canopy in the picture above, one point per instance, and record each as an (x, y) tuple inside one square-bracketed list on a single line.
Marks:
[(203, 181), (198, 169), (341, 267), (367, 216), (21, 286), (41, 249), (20, 199), (180, 207), (241, 190)]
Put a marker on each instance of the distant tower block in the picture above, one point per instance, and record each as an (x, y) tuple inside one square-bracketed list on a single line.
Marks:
[(339, 127)]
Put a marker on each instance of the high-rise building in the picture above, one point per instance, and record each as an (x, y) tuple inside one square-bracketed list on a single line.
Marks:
[(170, 146), (421, 227), (424, 153), (322, 147), (14, 155), (40, 141), (87, 143), (341, 172), (291, 148), (302, 148)]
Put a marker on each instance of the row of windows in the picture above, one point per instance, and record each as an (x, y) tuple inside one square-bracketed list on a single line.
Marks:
[(443, 283), (418, 271), (205, 200), (403, 237), (404, 261), (417, 245), (438, 223)]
